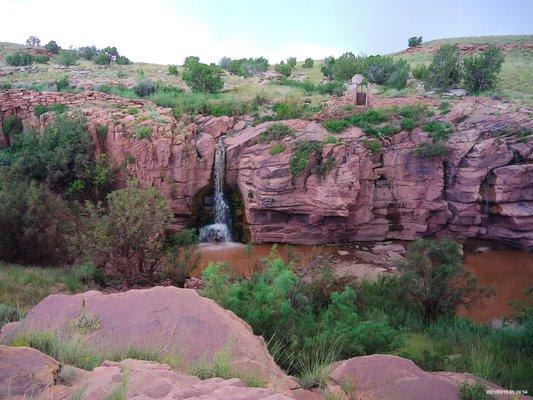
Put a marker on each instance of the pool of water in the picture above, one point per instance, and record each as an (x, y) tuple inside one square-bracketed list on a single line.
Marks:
[(508, 271)]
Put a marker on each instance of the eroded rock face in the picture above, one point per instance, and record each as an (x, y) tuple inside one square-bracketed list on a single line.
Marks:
[(26, 373), (143, 379), (175, 320), (481, 188)]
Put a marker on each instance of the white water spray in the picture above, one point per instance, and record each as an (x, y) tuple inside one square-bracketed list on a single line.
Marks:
[(219, 231)]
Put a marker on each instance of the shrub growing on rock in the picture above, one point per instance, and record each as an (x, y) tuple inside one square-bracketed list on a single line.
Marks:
[(445, 69), (481, 71), (276, 132), (284, 68), (327, 66), (126, 237), (88, 52), (182, 255), (414, 41), (12, 125), (346, 66), (300, 157), (420, 72)]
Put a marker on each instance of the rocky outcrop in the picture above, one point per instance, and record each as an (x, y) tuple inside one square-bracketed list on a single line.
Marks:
[(143, 379), (159, 319), (481, 188), (27, 373), (384, 377)]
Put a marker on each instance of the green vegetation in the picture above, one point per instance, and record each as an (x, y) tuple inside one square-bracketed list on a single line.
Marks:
[(276, 131), (335, 88), (67, 57), (310, 321), (125, 238), (301, 156), (40, 109), (52, 46), (202, 77), (308, 63), (481, 71), (278, 148), (372, 145), (286, 68), (182, 255), (173, 70), (414, 41), (12, 125), (445, 69), (244, 67), (475, 391), (23, 287), (142, 132), (22, 59), (144, 88)]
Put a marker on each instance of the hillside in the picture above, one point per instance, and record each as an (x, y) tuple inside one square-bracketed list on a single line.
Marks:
[(516, 77)]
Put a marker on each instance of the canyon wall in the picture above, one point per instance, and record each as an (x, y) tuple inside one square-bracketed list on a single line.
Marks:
[(482, 188)]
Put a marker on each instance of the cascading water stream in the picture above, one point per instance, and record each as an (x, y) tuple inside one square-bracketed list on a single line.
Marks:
[(219, 231)]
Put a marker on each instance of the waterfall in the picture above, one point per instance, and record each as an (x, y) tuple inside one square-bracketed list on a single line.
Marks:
[(219, 231)]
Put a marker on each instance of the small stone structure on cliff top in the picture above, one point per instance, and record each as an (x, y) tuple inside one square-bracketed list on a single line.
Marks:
[(483, 187)]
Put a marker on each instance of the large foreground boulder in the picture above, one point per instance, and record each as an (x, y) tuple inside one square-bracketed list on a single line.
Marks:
[(178, 321), (384, 377)]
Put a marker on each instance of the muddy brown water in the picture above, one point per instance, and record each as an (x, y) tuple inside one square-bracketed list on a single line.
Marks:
[(508, 271)]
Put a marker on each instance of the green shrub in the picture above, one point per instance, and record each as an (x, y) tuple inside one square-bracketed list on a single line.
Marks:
[(67, 57), (420, 72), (87, 52), (62, 83), (18, 59), (8, 314), (431, 150), (287, 110), (346, 66), (52, 46), (330, 139), (182, 256), (278, 148), (142, 132), (144, 88), (40, 109), (142, 214), (438, 130), (12, 125), (118, 90), (475, 391), (102, 130), (334, 88), (300, 157), (60, 157), (372, 145), (202, 77), (173, 70), (308, 63), (445, 69), (40, 58), (398, 77), (408, 124), (101, 58), (335, 125), (414, 41), (276, 132), (481, 71), (122, 60), (191, 60), (434, 278), (327, 66), (245, 66), (28, 210), (284, 68)]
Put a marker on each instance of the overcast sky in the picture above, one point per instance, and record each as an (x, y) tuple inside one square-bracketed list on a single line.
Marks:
[(166, 31)]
